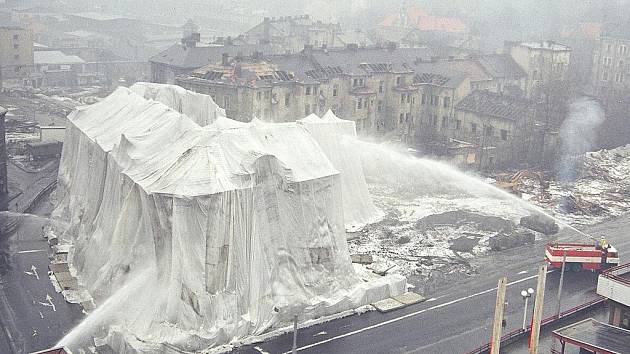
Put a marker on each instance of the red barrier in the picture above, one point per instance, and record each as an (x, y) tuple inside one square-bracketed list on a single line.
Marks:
[(516, 333), (611, 274)]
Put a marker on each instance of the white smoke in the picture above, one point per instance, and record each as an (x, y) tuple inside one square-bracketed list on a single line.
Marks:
[(578, 134)]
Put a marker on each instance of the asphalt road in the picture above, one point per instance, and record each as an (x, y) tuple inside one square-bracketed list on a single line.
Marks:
[(30, 321), (458, 317)]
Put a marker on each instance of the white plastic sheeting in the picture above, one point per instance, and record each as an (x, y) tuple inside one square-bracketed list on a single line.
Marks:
[(197, 233), (336, 136)]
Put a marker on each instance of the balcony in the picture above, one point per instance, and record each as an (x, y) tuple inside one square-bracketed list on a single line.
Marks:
[(614, 284)]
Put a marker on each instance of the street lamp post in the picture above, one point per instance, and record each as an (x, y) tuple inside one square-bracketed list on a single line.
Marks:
[(526, 294)]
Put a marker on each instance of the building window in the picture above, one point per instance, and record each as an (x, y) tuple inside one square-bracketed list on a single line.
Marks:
[(605, 76), (407, 117), (424, 99), (16, 37), (620, 64), (624, 49), (226, 101), (619, 77), (447, 102), (379, 107), (607, 61), (503, 134), (402, 116), (335, 90), (315, 91), (473, 127), (287, 99), (258, 95), (360, 103), (267, 94), (357, 82), (444, 122), (257, 114), (435, 100), (307, 109), (308, 90), (458, 124), (381, 87), (402, 98), (488, 130), (434, 120), (398, 80), (16, 46), (408, 98), (609, 48)]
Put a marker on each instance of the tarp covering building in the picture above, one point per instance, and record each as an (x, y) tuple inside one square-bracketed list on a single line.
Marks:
[(200, 230)]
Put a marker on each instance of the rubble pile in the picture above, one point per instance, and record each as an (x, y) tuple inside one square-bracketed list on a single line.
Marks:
[(601, 191)]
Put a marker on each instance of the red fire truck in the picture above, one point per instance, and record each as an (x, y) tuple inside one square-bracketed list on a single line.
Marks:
[(580, 256)]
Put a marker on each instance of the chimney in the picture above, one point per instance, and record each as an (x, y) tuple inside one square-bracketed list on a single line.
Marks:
[(191, 40), (225, 58)]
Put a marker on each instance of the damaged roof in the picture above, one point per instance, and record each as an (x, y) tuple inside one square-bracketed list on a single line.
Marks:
[(487, 103), (357, 61), (183, 57)]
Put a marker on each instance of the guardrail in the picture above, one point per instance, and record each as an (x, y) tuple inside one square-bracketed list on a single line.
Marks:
[(509, 337), (614, 273)]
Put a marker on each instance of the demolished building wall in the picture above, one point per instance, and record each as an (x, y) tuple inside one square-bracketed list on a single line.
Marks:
[(229, 220)]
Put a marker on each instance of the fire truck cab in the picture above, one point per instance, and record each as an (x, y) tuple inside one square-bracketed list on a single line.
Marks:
[(581, 256)]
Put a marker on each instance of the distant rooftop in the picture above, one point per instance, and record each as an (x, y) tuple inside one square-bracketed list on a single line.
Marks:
[(191, 58), (495, 105), (501, 66), (416, 17), (549, 45), (10, 25), (100, 16), (55, 57)]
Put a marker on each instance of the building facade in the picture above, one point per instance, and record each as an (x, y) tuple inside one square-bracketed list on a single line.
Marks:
[(292, 33), (543, 62), (611, 62), (16, 51), (497, 126)]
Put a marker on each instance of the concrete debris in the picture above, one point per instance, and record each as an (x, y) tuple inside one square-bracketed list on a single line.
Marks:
[(362, 258), (540, 223), (398, 302), (506, 241)]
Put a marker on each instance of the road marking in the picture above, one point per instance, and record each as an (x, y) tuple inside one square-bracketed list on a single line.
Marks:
[(30, 251), (522, 272), (261, 350), (419, 349), (393, 320)]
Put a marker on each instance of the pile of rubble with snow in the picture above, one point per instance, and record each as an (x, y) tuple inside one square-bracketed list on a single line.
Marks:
[(601, 190)]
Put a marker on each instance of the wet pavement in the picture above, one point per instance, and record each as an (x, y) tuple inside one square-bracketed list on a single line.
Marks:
[(458, 316), (32, 314)]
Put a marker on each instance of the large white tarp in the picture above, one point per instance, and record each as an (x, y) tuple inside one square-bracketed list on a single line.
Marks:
[(337, 139), (196, 234)]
